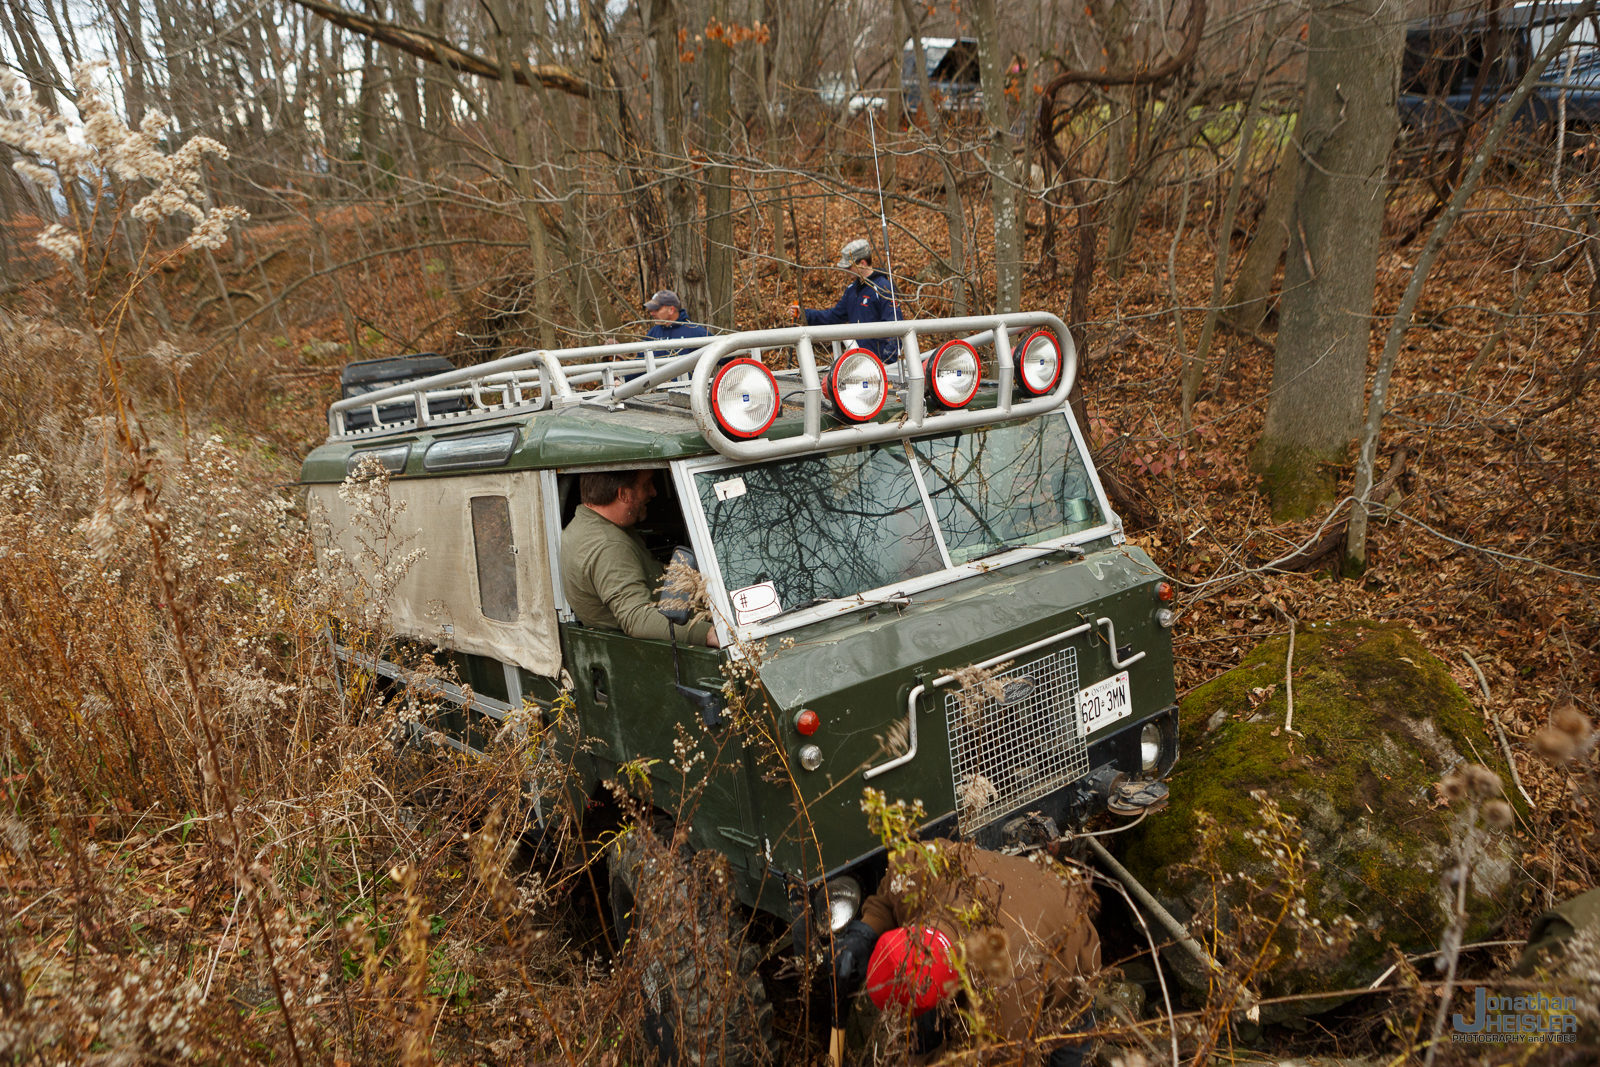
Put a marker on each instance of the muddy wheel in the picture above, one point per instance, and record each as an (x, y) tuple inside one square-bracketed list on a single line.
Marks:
[(684, 937)]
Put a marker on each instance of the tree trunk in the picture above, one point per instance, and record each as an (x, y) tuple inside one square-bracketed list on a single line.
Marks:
[(621, 142), (1219, 275), (131, 57), (776, 180), (369, 119), (685, 248), (1121, 134), (1004, 189), (893, 115), (521, 173), (954, 214), (1247, 304), (716, 105), (1347, 127)]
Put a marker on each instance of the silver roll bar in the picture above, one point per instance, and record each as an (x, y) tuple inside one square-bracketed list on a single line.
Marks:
[(556, 378)]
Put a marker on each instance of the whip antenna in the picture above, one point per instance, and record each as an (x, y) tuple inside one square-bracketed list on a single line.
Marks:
[(883, 216)]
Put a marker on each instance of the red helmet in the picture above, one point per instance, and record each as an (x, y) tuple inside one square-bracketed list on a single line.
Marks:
[(911, 966)]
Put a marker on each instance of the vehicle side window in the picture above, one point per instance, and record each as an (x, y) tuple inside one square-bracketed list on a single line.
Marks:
[(496, 554), (663, 527)]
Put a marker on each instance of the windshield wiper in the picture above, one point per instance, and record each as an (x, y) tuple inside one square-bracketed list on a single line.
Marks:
[(1073, 550), (996, 550), (803, 605), (855, 600)]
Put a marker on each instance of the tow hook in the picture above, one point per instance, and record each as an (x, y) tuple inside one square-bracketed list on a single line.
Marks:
[(1134, 798), (1103, 781), (1124, 795)]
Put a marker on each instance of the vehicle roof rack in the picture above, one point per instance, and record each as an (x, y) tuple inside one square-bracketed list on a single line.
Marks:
[(606, 376)]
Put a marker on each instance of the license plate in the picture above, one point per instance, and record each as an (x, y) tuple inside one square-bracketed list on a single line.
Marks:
[(1103, 703)]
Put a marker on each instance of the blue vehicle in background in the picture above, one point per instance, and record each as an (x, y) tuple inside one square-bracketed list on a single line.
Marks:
[(952, 66), (1459, 67)]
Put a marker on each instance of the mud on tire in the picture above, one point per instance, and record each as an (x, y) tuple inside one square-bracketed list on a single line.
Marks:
[(683, 935)]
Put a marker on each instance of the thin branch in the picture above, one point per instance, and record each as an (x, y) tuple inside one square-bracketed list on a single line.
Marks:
[(428, 46)]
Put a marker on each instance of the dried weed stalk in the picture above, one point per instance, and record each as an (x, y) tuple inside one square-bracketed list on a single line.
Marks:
[(686, 585), (1266, 924), (1474, 792)]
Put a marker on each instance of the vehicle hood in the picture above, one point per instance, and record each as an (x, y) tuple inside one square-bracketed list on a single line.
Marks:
[(951, 626)]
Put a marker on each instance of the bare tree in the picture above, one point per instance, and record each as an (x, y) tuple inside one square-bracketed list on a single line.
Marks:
[(1344, 133)]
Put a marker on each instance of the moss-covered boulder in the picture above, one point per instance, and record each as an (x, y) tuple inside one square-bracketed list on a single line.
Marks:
[(1379, 721)]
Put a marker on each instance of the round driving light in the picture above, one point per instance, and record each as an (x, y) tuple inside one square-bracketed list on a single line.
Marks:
[(1165, 591), (858, 385), (807, 721), (744, 398), (838, 898), (810, 757), (1039, 363), (952, 374), (1165, 617), (1149, 747)]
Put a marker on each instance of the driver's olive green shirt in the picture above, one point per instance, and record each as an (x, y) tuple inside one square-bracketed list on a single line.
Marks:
[(612, 582)]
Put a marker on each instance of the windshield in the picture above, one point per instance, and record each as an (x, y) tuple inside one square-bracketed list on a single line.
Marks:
[(795, 531), (1018, 483)]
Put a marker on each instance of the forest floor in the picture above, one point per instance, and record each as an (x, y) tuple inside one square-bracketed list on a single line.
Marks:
[(127, 900)]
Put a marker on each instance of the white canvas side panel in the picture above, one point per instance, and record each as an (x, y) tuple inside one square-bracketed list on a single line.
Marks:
[(438, 599)]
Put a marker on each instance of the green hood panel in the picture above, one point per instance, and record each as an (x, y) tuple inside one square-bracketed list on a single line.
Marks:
[(955, 625)]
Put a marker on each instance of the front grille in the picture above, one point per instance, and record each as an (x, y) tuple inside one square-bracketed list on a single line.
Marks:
[(1005, 752)]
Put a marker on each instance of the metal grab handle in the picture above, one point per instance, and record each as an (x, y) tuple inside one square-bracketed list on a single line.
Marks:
[(911, 702), (1111, 636), (911, 748)]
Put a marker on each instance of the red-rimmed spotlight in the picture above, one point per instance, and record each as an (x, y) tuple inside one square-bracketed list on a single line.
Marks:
[(858, 385), (1039, 363), (744, 398), (952, 373)]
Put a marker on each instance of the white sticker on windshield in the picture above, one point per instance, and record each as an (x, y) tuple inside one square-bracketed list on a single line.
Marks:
[(755, 602), (728, 490)]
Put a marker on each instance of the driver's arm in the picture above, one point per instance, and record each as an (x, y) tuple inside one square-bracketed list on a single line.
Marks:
[(624, 575)]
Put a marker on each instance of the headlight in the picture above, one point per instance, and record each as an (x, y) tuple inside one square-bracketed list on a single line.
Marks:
[(810, 757), (1149, 747), (858, 385), (952, 374), (838, 899), (1039, 364), (744, 398), (1165, 617)]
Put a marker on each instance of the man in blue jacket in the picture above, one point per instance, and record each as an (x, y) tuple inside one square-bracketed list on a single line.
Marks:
[(870, 298), (671, 323)]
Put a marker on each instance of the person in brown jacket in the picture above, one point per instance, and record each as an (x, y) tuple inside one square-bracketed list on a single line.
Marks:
[(1027, 936)]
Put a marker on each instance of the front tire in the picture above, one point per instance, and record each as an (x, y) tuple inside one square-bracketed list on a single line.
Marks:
[(683, 935)]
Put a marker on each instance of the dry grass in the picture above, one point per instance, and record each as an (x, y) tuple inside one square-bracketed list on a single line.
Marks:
[(211, 848)]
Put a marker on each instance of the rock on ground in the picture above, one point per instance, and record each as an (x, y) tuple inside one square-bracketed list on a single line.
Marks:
[(1382, 721)]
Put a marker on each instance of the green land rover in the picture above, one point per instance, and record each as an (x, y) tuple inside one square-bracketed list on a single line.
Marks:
[(871, 539)]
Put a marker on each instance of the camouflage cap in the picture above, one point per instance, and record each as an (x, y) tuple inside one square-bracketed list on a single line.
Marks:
[(855, 252)]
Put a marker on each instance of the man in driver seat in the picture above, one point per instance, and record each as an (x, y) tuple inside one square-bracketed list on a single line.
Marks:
[(611, 580)]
